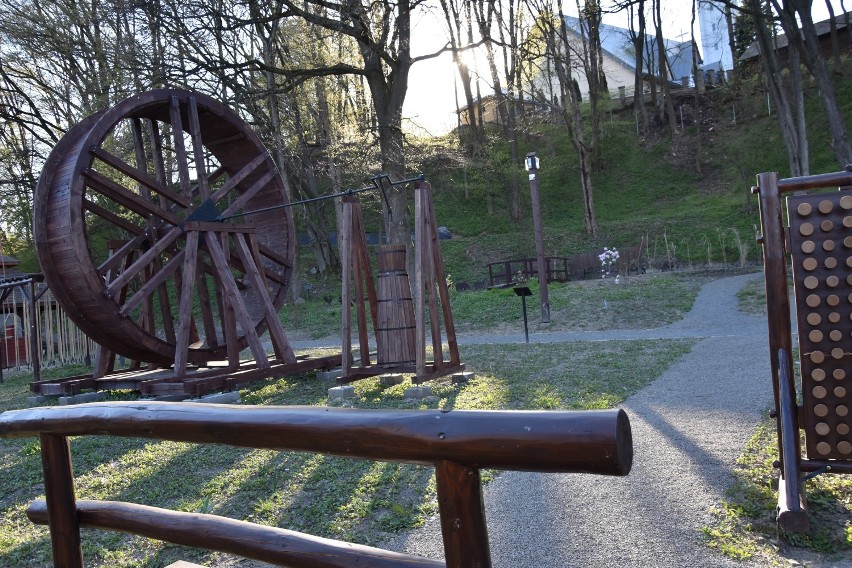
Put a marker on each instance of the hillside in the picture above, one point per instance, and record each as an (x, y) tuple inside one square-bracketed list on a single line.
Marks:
[(649, 185)]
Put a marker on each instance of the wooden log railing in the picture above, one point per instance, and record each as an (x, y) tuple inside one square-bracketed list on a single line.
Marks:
[(457, 443)]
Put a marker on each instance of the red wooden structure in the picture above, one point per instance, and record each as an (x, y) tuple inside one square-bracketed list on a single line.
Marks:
[(815, 241), (458, 444)]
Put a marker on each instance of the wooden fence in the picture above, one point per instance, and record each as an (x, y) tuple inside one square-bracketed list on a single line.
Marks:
[(34, 324), (457, 443)]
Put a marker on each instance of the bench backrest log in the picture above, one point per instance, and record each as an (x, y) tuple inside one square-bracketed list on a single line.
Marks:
[(456, 443)]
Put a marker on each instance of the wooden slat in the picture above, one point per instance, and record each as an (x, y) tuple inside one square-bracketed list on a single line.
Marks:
[(346, 261), (234, 180), (127, 198), (237, 205), (111, 217), (144, 260)]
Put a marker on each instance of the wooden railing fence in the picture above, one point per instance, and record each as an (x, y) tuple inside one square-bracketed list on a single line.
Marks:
[(458, 444)]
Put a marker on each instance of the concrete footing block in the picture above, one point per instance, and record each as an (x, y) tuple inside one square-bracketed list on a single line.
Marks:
[(230, 397), (37, 399), (419, 391), (463, 378), (81, 398), (345, 391), (332, 375), (390, 379)]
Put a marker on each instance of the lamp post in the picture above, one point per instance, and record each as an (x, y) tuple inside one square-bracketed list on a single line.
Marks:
[(532, 167)]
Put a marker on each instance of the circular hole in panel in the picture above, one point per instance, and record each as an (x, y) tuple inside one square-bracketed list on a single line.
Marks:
[(841, 410), (809, 263), (832, 281), (849, 264), (844, 447), (833, 300), (818, 375), (825, 206), (806, 229), (824, 448), (822, 428), (815, 335), (847, 221), (839, 392), (831, 263), (814, 318), (835, 335), (847, 242), (821, 410), (812, 300), (834, 317), (808, 247), (839, 374), (819, 392), (837, 353), (846, 202), (826, 225), (828, 246), (811, 282), (843, 428), (817, 357), (804, 209)]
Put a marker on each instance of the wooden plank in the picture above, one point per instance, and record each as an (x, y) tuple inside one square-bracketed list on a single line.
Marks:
[(238, 177), (127, 198), (419, 284), (237, 205), (60, 508), (206, 310), (229, 318), (258, 542), (111, 217)]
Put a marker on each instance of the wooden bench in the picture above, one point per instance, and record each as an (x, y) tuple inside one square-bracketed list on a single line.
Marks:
[(458, 444)]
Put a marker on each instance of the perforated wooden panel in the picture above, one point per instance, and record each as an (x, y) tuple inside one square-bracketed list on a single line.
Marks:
[(821, 251)]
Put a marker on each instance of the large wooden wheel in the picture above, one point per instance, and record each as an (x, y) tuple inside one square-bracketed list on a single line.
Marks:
[(131, 238)]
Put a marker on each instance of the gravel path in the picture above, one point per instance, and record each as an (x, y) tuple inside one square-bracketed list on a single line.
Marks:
[(689, 427)]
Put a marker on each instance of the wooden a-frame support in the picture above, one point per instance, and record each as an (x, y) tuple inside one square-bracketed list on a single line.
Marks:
[(428, 286)]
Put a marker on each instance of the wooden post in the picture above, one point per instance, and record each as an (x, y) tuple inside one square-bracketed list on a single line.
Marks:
[(419, 285), (35, 339), (462, 510), (346, 268), (780, 345), (532, 167), (61, 503)]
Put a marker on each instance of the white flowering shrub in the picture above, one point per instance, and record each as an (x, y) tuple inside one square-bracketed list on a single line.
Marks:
[(608, 258)]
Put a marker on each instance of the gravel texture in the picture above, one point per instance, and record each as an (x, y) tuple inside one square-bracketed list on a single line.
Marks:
[(689, 427)]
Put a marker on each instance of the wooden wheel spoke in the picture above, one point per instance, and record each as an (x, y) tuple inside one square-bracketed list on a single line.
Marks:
[(151, 285), (127, 198), (140, 176), (117, 256), (250, 193), (180, 149), (234, 299), (111, 217), (144, 260), (234, 180), (198, 149)]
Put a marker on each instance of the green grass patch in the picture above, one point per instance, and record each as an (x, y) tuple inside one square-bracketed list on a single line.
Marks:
[(744, 524)]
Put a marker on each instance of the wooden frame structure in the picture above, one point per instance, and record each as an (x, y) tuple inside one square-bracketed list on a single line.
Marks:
[(458, 444), (429, 286), (818, 246)]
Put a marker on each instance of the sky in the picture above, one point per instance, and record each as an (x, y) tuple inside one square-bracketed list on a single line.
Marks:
[(430, 105)]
